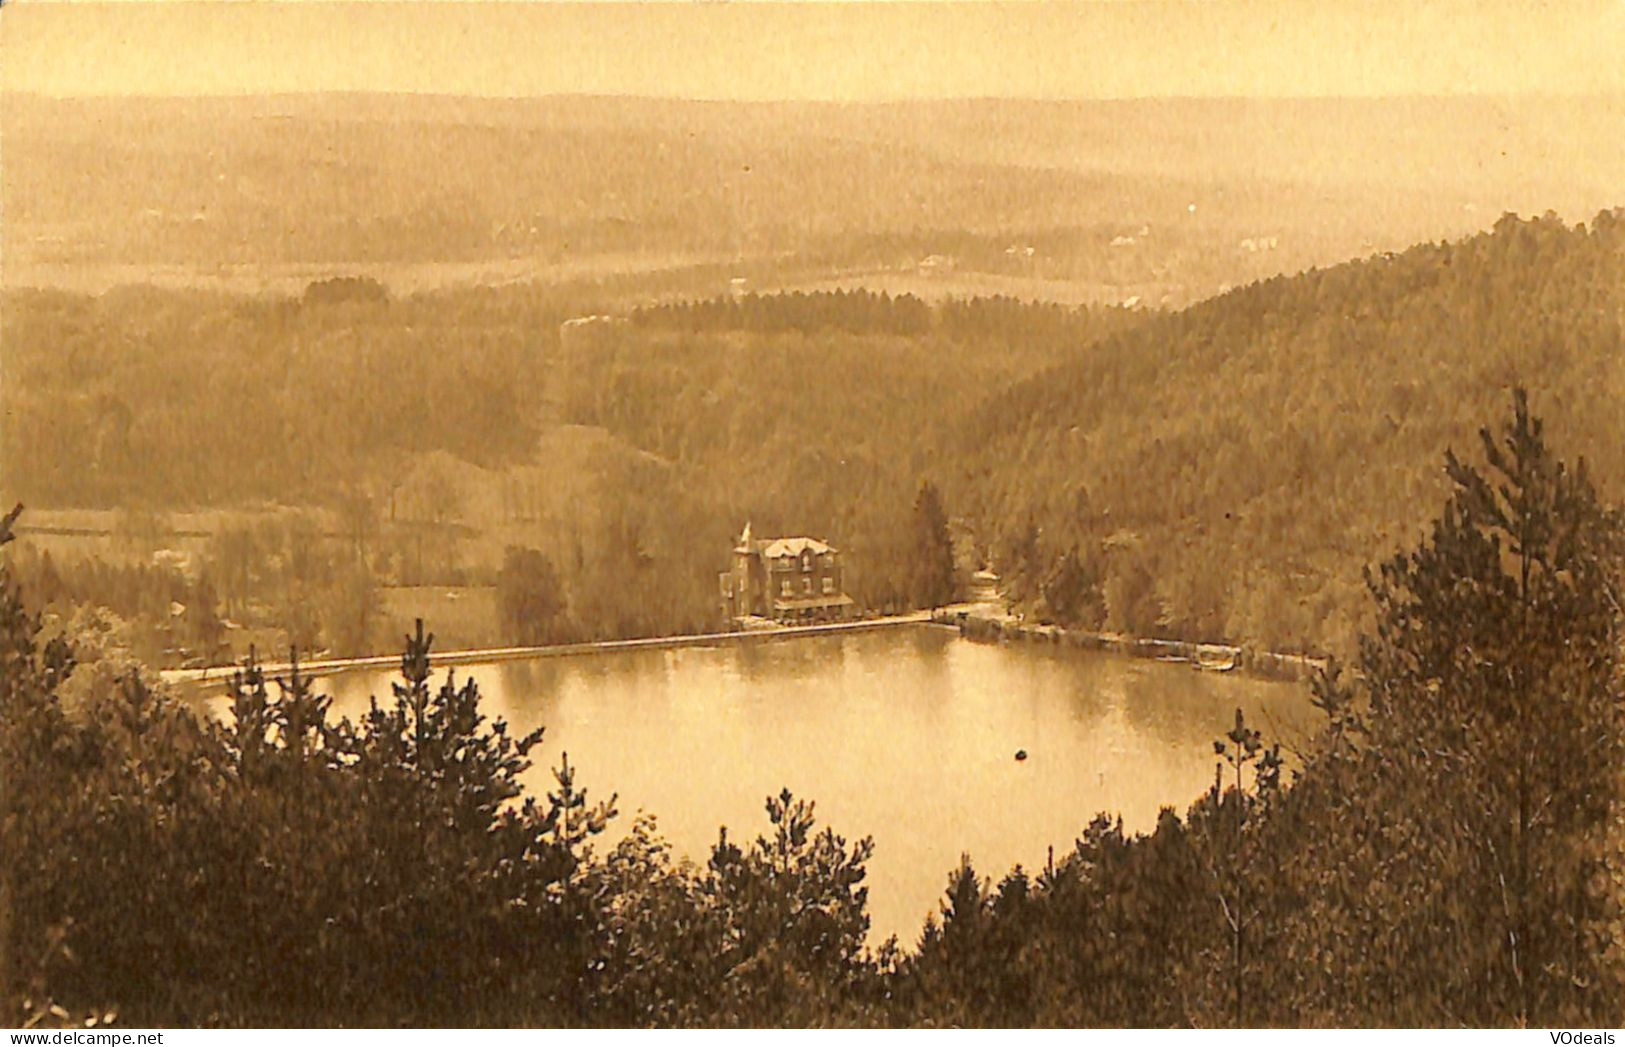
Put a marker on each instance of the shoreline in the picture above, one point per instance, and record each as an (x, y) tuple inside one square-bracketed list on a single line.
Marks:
[(220, 674), (1212, 657)]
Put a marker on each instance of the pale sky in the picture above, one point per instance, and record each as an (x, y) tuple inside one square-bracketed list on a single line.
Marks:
[(844, 51)]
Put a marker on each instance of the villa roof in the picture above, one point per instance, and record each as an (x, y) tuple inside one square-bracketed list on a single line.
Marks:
[(775, 548), (778, 548)]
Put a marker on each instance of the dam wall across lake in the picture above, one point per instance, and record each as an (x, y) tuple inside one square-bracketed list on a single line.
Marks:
[(221, 674), (1213, 657)]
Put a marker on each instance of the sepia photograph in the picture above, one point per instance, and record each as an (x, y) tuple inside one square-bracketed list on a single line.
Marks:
[(1087, 514)]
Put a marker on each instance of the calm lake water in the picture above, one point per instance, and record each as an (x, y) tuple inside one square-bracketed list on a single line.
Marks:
[(907, 735)]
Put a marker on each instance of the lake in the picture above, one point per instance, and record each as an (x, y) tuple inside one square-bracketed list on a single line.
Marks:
[(908, 735)]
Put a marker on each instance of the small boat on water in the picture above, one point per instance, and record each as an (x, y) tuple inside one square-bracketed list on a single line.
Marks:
[(1216, 658)]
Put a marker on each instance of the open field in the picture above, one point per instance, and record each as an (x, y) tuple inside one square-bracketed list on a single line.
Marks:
[(459, 616), (115, 536)]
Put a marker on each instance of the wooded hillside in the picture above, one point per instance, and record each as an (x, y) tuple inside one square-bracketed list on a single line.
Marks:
[(1233, 465)]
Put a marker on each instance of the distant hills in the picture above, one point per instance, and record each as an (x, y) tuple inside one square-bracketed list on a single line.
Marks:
[(1158, 201)]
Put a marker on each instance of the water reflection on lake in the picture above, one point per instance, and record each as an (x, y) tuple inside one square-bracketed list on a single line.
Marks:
[(907, 735)]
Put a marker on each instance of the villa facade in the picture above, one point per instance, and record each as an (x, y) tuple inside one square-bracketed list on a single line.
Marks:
[(784, 580)]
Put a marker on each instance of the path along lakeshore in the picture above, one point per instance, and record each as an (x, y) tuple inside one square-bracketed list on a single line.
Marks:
[(1218, 657), (979, 621)]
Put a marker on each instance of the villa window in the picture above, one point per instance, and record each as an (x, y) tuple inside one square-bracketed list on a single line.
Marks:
[(829, 586), (785, 588), (806, 563), (806, 586)]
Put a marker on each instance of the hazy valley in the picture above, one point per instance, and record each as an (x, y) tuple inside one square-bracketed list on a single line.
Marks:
[(1163, 202)]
